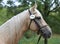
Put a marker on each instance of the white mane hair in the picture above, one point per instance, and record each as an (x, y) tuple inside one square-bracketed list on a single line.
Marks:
[(12, 29)]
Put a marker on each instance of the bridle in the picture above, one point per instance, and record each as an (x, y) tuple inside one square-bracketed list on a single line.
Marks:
[(39, 31)]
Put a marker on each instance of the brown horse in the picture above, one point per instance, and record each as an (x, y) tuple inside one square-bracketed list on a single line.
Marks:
[(12, 30)]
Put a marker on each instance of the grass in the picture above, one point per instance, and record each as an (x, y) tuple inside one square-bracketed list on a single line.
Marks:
[(55, 39)]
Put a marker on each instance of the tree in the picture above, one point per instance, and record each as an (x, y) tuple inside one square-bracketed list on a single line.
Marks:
[(44, 6), (11, 9), (1, 6), (47, 5)]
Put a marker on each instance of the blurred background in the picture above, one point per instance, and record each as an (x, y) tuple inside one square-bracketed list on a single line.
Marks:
[(50, 9)]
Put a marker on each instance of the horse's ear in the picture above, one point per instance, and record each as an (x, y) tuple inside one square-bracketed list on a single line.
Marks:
[(34, 6)]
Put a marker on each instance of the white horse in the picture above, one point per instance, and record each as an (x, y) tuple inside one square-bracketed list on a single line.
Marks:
[(12, 30)]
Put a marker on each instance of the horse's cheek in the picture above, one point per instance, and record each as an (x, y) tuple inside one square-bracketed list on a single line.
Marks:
[(33, 27)]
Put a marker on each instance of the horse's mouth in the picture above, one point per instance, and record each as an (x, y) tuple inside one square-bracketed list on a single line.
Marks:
[(45, 32)]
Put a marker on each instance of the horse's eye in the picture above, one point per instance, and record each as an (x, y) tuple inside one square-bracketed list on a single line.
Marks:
[(38, 18)]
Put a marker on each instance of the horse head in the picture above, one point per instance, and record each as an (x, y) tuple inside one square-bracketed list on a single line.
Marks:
[(35, 15)]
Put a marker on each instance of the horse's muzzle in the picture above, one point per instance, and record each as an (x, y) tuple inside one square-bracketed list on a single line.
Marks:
[(46, 32)]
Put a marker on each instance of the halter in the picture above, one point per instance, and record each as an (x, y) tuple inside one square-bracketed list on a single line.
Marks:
[(33, 18)]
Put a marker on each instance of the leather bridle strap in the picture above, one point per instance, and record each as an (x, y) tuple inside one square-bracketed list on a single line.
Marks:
[(29, 24), (39, 38), (45, 40)]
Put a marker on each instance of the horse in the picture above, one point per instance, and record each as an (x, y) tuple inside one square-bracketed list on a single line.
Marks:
[(13, 29)]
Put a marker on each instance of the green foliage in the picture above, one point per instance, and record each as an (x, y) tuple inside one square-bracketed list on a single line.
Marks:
[(54, 21), (53, 40), (0, 1), (10, 2), (29, 34), (1, 7), (3, 16)]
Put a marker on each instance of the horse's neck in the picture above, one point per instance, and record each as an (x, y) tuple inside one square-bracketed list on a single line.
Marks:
[(21, 23), (16, 26)]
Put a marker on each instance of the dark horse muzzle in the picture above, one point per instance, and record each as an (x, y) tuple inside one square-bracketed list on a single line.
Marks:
[(45, 32)]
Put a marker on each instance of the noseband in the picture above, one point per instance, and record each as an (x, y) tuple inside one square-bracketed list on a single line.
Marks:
[(33, 18)]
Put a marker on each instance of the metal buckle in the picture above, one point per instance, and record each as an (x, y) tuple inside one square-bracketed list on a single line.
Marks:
[(32, 16)]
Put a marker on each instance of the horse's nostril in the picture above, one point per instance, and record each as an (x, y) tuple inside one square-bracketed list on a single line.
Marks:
[(47, 35), (46, 32)]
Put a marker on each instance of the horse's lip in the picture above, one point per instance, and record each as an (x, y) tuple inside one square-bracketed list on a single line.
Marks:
[(44, 35)]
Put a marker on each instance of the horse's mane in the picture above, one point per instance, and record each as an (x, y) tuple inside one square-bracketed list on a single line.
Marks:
[(15, 20), (11, 28), (20, 15)]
